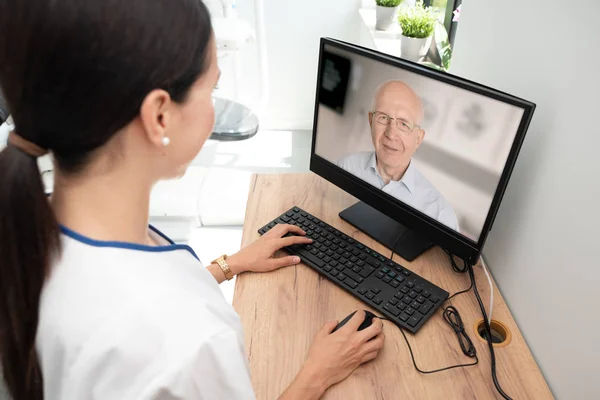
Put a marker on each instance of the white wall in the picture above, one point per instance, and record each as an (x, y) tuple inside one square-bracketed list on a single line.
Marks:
[(543, 248), (293, 30)]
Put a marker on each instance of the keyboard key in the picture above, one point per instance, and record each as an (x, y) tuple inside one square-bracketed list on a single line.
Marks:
[(354, 259), (289, 213), (335, 256), (410, 311), (426, 293), (415, 304), (360, 263), (379, 275), (395, 283), (327, 268), (365, 272), (355, 252), (303, 214), (393, 301), (418, 289), (367, 251), (385, 270), (392, 274), (407, 299), (399, 295), (334, 272), (356, 269), (362, 290), (435, 299), (393, 310), (321, 255), (376, 290), (421, 299), (377, 300), (333, 263), (360, 246), (350, 282), (387, 279), (347, 254), (350, 240), (403, 317), (336, 241), (406, 272), (370, 295), (424, 309), (311, 258), (354, 276), (363, 257), (413, 294), (327, 259), (414, 320), (296, 209), (372, 262), (400, 279), (340, 267), (381, 258), (410, 284), (405, 290), (401, 306)]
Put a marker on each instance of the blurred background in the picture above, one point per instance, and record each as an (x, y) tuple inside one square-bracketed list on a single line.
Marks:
[(468, 136)]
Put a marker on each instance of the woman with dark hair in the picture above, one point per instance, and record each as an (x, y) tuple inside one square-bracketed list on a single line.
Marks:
[(94, 303)]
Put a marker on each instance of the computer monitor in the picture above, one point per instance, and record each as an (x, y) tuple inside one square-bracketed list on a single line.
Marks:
[(427, 154)]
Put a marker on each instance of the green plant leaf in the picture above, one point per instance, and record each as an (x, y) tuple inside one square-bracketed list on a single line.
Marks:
[(443, 46), (418, 21), (388, 3)]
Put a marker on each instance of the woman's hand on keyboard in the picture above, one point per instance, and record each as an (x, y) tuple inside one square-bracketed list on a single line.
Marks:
[(258, 256)]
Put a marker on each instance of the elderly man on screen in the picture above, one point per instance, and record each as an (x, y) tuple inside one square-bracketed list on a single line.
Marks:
[(396, 134)]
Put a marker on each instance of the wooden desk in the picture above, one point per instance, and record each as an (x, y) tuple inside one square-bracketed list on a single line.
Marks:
[(281, 311)]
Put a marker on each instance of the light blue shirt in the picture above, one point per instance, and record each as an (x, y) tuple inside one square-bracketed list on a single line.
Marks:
[(413, 189)]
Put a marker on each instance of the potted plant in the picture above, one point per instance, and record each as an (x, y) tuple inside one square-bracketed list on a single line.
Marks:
[(417, 24), (385, 12)]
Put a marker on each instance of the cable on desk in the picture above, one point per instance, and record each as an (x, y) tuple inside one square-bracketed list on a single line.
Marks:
[(452, 317), (488, 332)]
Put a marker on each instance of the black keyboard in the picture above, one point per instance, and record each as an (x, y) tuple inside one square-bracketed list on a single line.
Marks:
[(398, 293)]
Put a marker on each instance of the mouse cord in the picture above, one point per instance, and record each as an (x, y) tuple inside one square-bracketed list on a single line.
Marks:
[(452, 317)]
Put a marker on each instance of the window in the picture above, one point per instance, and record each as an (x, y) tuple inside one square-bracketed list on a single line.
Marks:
[(446, 8)]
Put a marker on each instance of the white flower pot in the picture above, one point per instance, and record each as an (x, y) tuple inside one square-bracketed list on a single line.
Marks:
[(384, 17), (414, 49)]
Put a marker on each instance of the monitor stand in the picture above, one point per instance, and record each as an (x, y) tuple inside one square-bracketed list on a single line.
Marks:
[(386, 230)]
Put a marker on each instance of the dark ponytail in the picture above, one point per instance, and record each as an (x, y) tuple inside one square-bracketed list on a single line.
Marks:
[(73, 72), (28, 240)]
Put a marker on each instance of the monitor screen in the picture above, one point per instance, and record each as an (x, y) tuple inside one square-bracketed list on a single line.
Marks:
[(433, 146)]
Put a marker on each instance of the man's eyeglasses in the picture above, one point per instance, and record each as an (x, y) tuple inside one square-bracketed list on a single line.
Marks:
[(402, 125)]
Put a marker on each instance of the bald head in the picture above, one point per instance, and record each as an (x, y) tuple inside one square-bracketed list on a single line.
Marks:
[(395, 94)]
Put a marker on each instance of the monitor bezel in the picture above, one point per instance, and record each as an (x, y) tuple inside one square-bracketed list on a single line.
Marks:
[(415, 220)]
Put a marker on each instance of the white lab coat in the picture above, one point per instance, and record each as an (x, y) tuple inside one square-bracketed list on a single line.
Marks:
[(129, 322)]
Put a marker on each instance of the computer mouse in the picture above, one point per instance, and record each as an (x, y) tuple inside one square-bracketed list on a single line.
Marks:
[(365, 324)]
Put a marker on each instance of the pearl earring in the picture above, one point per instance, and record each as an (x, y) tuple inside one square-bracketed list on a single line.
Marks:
[(166, 141)]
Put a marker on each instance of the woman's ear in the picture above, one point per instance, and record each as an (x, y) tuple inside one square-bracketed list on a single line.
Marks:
[(155, 115)]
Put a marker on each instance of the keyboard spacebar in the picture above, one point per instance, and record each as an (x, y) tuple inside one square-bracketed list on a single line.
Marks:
[(302, 252)]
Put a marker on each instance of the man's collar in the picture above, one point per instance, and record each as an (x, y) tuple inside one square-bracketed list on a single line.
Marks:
[(408, 179)]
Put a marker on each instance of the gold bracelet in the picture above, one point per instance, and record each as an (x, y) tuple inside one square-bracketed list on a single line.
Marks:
[(224, 266)]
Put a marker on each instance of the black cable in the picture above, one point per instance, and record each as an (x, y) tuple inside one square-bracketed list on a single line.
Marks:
[(452, 317), (396, 243), (455, 266), (488, 332)]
